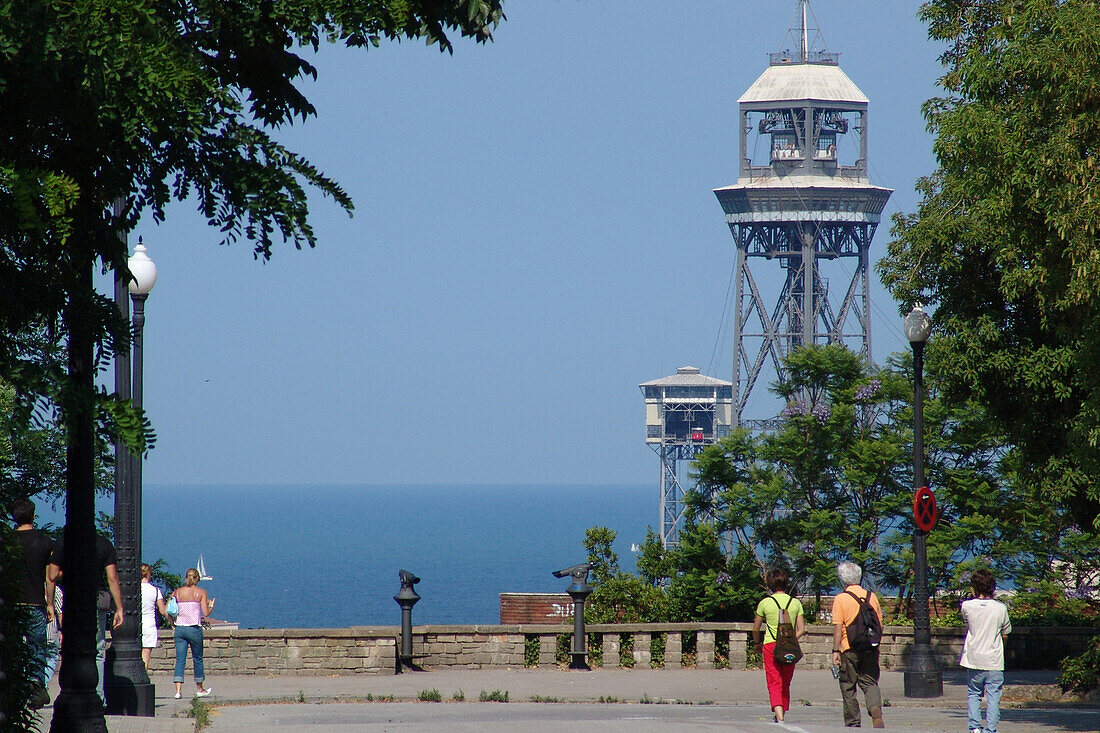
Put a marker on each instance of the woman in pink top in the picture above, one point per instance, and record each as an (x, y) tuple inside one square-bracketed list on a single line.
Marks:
[(193, 607)]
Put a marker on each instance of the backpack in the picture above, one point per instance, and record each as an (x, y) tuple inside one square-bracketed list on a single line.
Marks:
[(865, 631), (787, 650)]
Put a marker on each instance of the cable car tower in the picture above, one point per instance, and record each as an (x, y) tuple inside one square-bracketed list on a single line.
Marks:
[(802, 203), (684, 413)]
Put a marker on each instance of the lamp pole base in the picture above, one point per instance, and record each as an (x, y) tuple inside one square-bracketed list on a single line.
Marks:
[(131, 698), (923, 684)]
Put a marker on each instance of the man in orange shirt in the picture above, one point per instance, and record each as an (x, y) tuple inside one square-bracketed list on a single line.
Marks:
[(856, 667)]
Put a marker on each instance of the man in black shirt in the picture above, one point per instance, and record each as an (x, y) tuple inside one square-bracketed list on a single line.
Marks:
[(31, 600), (108, 590)]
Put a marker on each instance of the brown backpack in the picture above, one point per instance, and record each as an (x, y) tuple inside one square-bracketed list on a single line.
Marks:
[(787, 650)]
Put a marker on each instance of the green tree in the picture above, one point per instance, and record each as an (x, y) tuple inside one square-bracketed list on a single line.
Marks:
[(707, 585), (618, 597), (136, 104), (598, 543), (1004, 242), (827, 484)]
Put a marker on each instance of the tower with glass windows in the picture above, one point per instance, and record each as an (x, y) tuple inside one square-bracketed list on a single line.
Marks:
[(684, 413), (802, 215)]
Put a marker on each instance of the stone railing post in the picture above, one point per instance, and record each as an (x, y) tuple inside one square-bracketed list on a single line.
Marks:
[(674, 650), (704, 650), (548, 650), (643, 655), (610, 651), (738, 649)]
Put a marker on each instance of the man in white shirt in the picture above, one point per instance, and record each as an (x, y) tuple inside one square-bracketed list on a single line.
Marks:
[(983, 654)]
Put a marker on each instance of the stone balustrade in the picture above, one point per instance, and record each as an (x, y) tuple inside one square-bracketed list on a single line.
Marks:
[(373, 649)]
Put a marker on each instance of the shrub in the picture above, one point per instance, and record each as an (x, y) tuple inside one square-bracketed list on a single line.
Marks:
[(1048, 604), (1082, 673), (531, 650)]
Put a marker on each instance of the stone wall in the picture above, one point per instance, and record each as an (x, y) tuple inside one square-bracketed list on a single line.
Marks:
[(373, 650), (355, 650)]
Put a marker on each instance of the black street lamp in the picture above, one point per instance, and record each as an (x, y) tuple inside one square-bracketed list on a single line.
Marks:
[(127, 685), (923, 678)]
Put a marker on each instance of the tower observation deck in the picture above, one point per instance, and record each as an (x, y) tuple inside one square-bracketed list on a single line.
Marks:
[(803, 204)]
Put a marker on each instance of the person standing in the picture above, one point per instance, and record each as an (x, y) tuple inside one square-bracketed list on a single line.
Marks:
[(983, 654), (31, 600), (152, 600), (194, 606), (765, 626), (857, 668), (108, 590)]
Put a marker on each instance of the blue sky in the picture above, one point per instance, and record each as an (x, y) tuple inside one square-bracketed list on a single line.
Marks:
[(534, 235)]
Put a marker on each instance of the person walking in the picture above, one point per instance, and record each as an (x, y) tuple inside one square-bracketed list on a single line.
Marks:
[(152, 600), (983, 654), (108, 594), (194, 606), (765, 626), (857, 668), (31, 599)]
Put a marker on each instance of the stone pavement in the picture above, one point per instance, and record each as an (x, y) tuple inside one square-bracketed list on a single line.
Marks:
[(616, 700)]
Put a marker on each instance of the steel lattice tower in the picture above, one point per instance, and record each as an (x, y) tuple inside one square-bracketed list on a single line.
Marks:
[(684, 413), (803, 203)]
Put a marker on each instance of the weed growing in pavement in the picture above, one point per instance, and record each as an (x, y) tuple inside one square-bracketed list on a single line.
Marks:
[(544, 698), (645, 699), (459, 696), (432, 695), (301, 695), (494, 696), (608, 699), (200, 712)]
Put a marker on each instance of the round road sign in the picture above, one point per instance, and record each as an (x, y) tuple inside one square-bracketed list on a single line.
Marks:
[(924, 509)]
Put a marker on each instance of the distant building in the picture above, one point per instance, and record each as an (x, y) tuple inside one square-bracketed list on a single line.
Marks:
[(684, 413)]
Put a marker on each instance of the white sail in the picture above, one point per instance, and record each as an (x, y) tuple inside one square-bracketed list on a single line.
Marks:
[(201, 567)]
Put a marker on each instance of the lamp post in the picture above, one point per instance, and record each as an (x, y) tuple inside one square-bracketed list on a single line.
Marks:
[(128, 689), (923, 677)]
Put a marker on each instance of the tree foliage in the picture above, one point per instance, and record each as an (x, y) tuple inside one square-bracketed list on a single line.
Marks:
[(1005, 241), (141, 102), (111, 109)]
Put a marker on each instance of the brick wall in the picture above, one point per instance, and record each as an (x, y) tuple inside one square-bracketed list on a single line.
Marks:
[(535, 608)]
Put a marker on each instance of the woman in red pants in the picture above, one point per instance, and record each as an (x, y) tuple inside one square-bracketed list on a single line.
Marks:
[(777, 675)]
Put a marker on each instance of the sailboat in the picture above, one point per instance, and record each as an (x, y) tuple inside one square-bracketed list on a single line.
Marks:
[(201, 567)]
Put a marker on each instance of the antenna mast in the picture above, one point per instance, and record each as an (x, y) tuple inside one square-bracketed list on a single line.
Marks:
[(805, 49)]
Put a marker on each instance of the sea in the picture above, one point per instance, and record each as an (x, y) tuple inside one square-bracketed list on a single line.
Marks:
[(328, 556)]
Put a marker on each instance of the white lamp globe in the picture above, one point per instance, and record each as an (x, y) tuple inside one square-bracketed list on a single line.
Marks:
[(918, 326), (143, 271)]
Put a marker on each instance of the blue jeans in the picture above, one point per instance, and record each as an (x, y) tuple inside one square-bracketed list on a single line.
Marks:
[(189, 636), (989, 681), (35, 619)]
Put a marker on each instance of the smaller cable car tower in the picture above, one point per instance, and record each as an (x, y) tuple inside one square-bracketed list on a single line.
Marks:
[(684, 413), (802, 207)]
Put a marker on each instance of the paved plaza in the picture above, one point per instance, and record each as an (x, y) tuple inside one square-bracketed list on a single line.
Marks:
[(615, 700)]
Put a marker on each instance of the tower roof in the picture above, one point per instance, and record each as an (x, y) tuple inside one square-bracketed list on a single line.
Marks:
[(687, 376), (798, 82)]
